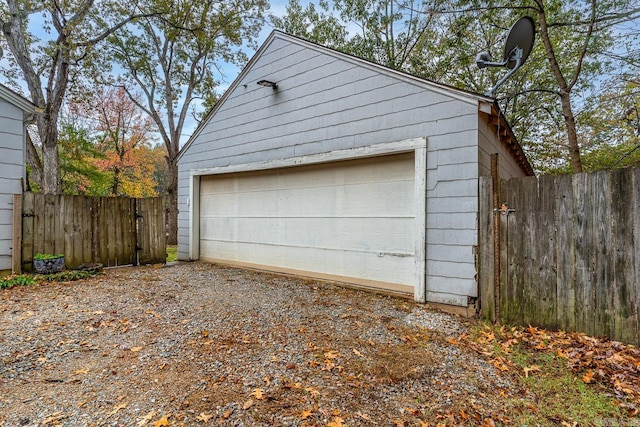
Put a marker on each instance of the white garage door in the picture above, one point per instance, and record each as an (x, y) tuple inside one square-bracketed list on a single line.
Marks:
[(351, 221)]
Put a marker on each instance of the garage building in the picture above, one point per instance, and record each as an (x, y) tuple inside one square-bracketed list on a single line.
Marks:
[(324, 165)]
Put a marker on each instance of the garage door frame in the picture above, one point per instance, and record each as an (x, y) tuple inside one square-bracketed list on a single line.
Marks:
[(416, 145)]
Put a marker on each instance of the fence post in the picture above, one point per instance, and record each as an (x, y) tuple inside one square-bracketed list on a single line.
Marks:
[(495, 178), (16, 248)]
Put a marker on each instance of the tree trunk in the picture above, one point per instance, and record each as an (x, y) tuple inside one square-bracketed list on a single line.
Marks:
[(572, 135), (172, 207), (33, 160), (51, 166), (565, 90)]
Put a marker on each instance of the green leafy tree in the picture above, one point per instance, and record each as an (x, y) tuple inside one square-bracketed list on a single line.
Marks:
[(50, 66), (173, 61), (79, 172)]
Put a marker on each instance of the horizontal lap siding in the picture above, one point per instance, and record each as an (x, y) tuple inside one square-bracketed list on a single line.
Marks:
[(11, 173), (490, 144), (326, 103)]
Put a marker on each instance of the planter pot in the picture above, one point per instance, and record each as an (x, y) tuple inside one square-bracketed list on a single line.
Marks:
[(48, 266)]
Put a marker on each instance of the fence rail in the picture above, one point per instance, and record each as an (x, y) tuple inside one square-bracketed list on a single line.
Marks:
[(568, 255), (109, 230)]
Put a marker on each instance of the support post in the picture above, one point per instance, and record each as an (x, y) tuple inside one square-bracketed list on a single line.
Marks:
[(495, 178), (16, 248)]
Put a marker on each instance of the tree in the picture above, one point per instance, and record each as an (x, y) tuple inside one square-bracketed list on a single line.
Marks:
[(173, 60), (574, 41), (50, 67), (387, 32), (544, 101), (123, 133)]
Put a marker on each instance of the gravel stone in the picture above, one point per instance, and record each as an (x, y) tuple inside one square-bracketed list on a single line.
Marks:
[(195, 340)]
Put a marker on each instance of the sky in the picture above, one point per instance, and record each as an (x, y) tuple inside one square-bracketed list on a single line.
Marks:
[(230, 71)]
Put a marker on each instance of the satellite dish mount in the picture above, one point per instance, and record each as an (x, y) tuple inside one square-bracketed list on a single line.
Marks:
[(516, 50)]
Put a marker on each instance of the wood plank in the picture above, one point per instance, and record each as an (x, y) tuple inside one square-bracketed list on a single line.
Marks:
[(27, 231), (625, 315), (102, 232), (68, 226), (109, 220), (59, 236), (528, 285), (583, 237), (49, 224), (485, 248), (515, 254), (566, 254), (79, 225), (91, 242), (635, 285), (601, 256), (16, 244), (503, 235), (545, 241)]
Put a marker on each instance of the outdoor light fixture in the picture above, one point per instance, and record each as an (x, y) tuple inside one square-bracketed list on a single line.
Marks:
[(267, 83)]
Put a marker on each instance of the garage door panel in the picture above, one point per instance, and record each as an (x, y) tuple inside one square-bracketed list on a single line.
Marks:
[(352, 200), (383, 268), (353, 219), (327, 174), (332, 233)]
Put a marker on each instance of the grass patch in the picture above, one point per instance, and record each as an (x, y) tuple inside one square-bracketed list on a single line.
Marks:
[(554, 395), (34, 279), (172, 253)]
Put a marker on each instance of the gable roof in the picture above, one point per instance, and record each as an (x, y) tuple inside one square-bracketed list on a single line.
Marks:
[(450, 91), (17, 100)]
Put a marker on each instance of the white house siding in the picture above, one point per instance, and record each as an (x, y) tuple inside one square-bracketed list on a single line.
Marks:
[(11, 173), (489, 143), (326, 101)]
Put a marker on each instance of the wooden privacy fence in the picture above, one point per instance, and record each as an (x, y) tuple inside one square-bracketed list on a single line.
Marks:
[(108, 230), (567, 255)]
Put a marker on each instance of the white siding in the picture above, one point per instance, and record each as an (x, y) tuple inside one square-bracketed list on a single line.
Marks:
[(11, 172), (326, 101), (489, 143)]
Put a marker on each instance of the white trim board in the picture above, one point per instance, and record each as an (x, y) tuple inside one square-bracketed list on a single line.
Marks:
[(416, 145), (375, 150)]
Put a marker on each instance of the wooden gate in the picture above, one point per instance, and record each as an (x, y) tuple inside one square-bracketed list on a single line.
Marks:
[(108, 230)]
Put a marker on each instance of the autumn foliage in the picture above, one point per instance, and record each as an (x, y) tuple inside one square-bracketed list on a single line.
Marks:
[(111, 151)]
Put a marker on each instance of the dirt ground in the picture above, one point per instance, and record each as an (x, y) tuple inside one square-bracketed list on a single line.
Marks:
[(197, 344)]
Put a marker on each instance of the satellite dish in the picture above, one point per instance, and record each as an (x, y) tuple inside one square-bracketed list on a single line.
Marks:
[(517, 48)]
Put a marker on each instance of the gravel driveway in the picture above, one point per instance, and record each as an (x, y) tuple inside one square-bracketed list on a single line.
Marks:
[(198, 344)]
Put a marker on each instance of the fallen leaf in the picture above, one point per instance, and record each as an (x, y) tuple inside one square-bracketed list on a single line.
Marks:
[(336, 422), (226, 414), (164, 421), (248, 404), (136, 349), (587, 378), (488, 422), (258, 393), (116, 409), (306, 414), (53, 418), (312, 391), (332, 354), (356, 352), (143, 422), (80, 371), (204, 333), (532, 368), (204, 417)]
